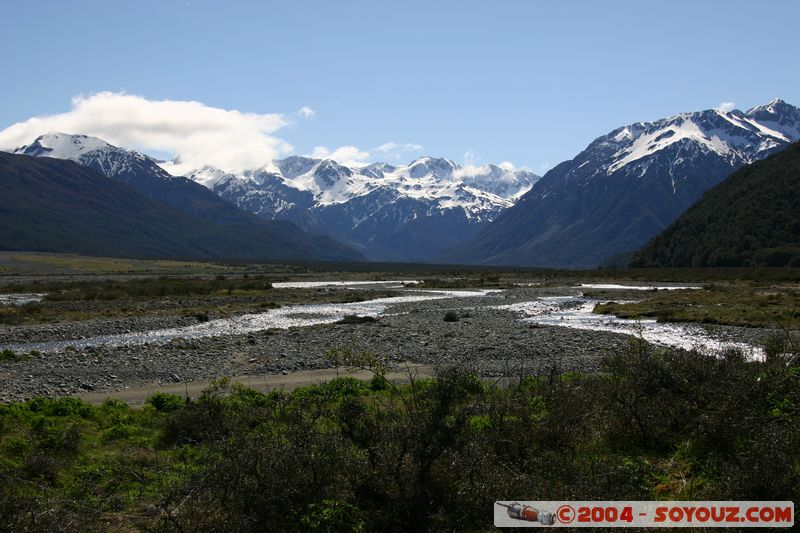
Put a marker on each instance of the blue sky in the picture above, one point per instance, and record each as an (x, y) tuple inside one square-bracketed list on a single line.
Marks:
[(531, 82)]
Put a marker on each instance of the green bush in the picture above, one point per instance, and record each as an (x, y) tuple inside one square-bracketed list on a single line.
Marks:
[(11, 355), (430, 455), (165, 402)]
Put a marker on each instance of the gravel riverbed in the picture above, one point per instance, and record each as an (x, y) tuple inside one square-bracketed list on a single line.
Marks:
[(485, 339)]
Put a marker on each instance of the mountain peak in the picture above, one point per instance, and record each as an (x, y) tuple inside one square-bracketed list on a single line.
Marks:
[(774, 106), (295, 165), (433, 161), (328, 173), (730, 134), (62, 145), (440, 168)]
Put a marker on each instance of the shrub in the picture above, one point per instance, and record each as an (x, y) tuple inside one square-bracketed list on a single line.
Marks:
[(430, 455), (451, 316), (331, 516), (165, 402), (378, 383), (355, 319), (10, 355)]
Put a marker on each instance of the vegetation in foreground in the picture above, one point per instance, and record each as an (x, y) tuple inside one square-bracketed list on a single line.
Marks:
[(736, 304), (432, 455)]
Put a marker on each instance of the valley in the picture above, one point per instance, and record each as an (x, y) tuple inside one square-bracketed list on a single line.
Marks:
[(399, 267), (101, 333)]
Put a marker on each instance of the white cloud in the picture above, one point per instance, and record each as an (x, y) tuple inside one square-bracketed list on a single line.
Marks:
[(471, 166), (306, 112), (727, 106), (465, 171), (392, 146), (354, 156), (396, 152), (346, 155), (195, 133), (469, 171)]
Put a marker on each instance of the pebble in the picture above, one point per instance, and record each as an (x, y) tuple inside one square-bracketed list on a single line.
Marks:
[(491, 342)]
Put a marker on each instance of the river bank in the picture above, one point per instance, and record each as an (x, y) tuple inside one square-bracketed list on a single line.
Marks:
[(489, 337)]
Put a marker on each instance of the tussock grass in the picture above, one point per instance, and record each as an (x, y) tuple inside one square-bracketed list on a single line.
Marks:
[(722, 303)]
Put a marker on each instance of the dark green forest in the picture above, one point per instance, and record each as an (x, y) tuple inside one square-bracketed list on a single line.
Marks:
[(750, 219)]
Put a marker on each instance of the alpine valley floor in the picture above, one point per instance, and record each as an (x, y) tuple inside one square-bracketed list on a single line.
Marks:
[(505, 324)]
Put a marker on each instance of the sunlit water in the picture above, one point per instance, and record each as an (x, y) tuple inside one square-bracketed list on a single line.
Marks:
[(285, 317), (344, 284), (612, 286), (19, 299), (576, 312), (566, 311)]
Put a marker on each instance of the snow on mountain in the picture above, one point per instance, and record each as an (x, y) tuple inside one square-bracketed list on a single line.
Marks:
[(779, 117), (138, 171), (63, 146), (367, 205), (305, 183), (503, 180), (442, 180), (736, 136), (627, 186), (89, 151)]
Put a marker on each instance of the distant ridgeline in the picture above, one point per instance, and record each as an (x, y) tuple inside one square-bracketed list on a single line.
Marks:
[(53, 205), (750, 219)]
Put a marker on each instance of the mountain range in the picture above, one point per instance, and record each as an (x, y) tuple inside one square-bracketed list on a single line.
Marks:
[(627, 186), (612, 198), (48, 204), (393, 213)]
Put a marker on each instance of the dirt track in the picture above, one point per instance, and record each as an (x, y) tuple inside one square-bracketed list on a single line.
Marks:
[(137, 395)]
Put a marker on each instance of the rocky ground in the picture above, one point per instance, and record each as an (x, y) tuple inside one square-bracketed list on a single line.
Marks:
[(487, 340)]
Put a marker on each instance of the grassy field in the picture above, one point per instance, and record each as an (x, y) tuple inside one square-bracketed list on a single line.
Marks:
[(48, 263), (739, 304), (183, 296), (40, 263), (429, 456), (115, 287)]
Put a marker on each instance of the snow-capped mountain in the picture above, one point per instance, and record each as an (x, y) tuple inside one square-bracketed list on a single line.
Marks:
[(94, 153), (143, 174), (136, 170), (410, 212), (628, 185), (405, 213), (56, 205)]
